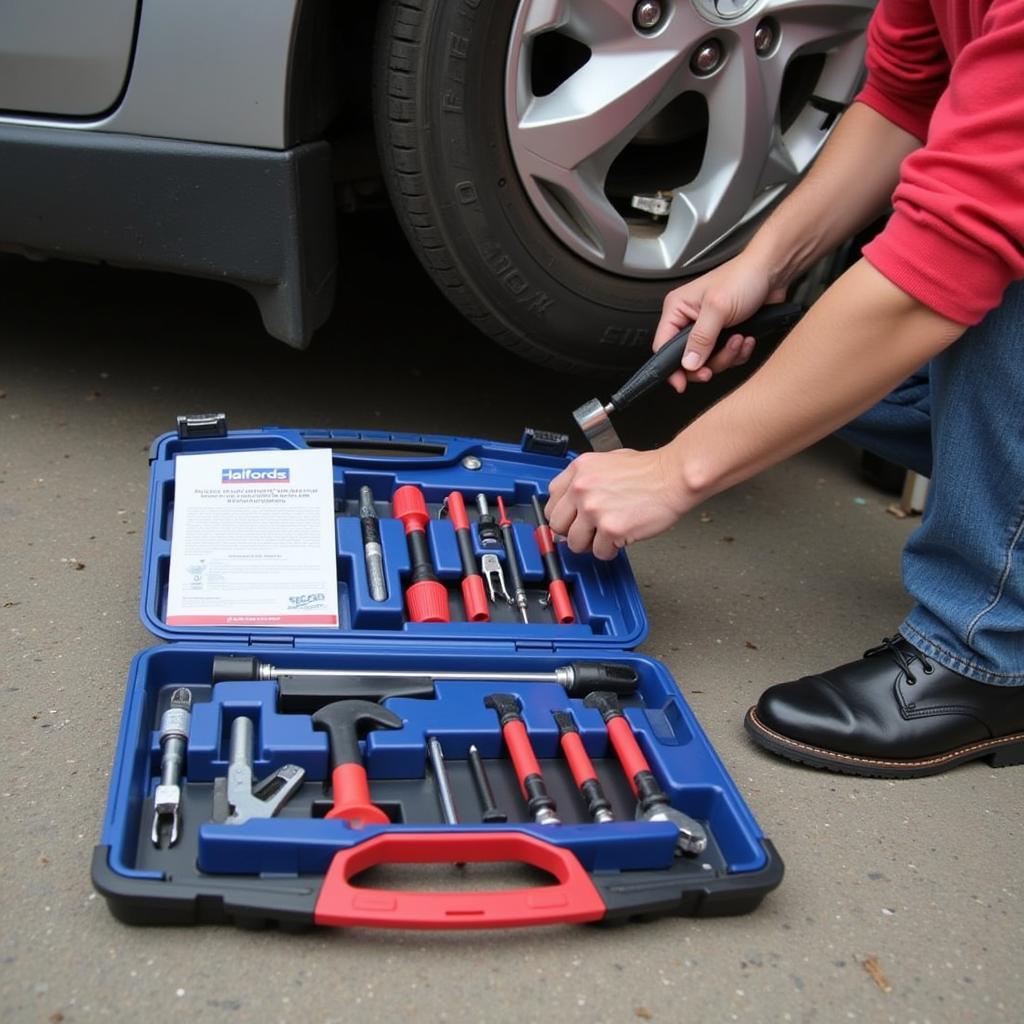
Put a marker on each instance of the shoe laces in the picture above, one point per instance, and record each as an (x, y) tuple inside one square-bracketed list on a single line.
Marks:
[(903, 658)]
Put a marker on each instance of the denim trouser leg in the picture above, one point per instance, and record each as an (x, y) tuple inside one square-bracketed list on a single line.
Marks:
[(964, 565)]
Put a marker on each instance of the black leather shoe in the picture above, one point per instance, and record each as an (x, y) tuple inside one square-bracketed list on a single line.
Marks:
[(893, 714)]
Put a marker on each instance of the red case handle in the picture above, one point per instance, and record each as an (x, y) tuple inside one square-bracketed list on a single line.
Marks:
[(573, 900)]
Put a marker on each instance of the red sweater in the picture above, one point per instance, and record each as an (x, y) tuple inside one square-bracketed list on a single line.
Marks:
[(951, 72)]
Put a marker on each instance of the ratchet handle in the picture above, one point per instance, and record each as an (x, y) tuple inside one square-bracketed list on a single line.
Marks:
[(775, 319), (574, 899)]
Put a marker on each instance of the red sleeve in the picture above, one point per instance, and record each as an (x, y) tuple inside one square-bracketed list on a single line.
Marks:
[(907, 64), (956, 237)]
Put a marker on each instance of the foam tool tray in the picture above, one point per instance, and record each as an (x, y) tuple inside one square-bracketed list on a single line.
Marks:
[(304, 758)]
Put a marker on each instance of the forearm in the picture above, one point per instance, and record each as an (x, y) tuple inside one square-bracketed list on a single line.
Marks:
[(849, 185), (861, 338)]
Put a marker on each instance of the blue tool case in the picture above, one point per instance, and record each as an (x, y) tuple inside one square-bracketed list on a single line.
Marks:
[(261, 833)]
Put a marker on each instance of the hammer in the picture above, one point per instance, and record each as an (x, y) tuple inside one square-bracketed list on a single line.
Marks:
[(594, 418), (342, 721)]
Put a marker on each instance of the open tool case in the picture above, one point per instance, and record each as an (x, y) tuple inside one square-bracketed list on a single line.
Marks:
[(299, 866)]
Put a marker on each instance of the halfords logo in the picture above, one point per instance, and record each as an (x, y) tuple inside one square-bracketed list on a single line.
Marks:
[(254, 476)]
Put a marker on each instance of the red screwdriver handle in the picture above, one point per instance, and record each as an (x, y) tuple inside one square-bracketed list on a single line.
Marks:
[(520, 749), (574, 899), (474, 596), (426, 597), (627, 749), (561, 605)]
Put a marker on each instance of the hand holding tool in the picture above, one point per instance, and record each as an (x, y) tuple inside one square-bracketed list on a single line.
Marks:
[(241, 797), (485, 524), (343, 721), (473, 594), (371, 545), (519, 597), (174, 728), (594, 418), (653, 804), (577, 677), (561, 606), (490, 814), (520, 749), (582, 768), (444, 787), (426, 597)]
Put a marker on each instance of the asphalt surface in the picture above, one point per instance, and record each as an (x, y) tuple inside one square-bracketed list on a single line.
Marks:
[(901, 901)]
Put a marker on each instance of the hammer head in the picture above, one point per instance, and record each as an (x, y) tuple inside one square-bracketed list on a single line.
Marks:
[(594, 420), (344, 720)]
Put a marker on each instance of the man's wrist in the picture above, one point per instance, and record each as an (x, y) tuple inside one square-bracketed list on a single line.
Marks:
[(688, 472)]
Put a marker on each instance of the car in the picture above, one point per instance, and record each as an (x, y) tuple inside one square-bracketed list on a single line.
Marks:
[(557, 165)]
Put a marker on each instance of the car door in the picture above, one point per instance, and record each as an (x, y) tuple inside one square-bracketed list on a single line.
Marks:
[(64, 58)]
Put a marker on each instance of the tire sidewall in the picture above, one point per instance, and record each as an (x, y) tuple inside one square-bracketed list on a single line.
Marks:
[(577, 314)]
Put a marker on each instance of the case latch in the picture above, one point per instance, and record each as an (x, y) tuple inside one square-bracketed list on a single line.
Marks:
[(203, 424), (544, 442)]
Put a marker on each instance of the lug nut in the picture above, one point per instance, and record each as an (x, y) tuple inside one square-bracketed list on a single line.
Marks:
[(647, 15), (707, 57), (764, 38)]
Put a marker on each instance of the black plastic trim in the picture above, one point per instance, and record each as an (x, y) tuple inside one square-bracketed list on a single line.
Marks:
[(224, 899), (640, 894), (260, 219), (291, 903)]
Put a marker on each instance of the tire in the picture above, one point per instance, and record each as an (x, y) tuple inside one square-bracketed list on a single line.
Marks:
[(440, 122)]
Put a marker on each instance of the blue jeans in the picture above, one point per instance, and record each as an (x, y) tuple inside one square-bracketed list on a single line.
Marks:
[(961, 423)]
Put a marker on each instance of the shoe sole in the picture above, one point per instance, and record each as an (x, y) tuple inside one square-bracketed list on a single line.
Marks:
[(1000, 753)]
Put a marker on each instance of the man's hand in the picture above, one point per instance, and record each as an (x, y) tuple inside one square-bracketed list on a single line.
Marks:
[(606, 501), (730, 293)]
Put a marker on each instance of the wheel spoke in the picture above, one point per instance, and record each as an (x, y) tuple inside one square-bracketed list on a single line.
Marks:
[(814, 26), (741, 137), (597, 111)]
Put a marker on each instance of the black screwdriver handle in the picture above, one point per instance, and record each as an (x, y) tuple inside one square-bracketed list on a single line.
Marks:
[(611, 676), (773, 319)]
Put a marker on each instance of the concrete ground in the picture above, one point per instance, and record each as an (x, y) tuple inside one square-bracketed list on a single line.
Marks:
[(901, 901)]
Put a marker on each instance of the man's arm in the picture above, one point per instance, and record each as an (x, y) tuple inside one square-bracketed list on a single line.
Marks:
[(855, 345)]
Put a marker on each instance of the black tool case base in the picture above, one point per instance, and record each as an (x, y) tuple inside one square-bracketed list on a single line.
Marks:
[(300, 867)]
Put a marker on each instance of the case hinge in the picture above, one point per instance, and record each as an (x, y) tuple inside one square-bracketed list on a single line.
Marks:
[(544, 442), (203, 424), (271, 641), (535, 645)]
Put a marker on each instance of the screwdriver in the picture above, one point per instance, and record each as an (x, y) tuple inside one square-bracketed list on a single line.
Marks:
[(559, 593), (519, 598), (371, 545)]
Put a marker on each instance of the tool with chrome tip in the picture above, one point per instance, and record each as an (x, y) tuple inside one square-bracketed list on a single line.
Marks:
[(343, 721), (577, 677), (444, 786), (652, 803), (237, 798), (174, 728), (582, 768), (524, 761), (486, 527), (474, 596), (426, 597), (561, 606), (490, 814), (519, 597), (371, 545), (594, 417), (491, 566)]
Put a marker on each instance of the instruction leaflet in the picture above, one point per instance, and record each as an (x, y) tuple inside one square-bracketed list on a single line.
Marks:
[(253, 540)]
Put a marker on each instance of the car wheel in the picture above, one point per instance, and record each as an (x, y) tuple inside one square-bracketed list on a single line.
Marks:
[(559, 165)]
